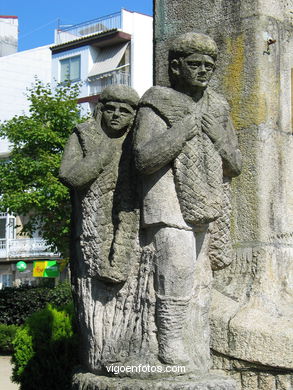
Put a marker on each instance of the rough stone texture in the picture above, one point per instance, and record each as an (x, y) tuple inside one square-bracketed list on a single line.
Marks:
[(111, 277), (186, 151), (142, 293), (266, 319), (252, 375), (83, 381), (128, 315), (251, 316)]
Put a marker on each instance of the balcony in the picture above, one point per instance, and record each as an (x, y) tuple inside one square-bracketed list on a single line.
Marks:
[(98, 25), (111, 78), (24, 248)]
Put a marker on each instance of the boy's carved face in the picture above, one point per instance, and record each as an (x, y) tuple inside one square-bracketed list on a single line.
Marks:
[(117, 117), (193, 72)]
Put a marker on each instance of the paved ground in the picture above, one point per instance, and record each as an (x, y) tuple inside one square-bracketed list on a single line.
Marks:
[(5, 373)]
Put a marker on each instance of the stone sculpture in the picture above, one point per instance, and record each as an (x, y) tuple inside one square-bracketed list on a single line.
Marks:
[(142, 278), (186, 149), (97, 166)]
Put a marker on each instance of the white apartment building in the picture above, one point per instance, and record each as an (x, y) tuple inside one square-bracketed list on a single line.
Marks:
[(115, 49)]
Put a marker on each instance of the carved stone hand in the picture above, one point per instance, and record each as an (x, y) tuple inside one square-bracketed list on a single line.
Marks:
[(212, 127), (190, 124)]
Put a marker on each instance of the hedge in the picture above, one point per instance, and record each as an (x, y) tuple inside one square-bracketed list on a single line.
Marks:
[(18, 303), (7, 334), (45, 350)]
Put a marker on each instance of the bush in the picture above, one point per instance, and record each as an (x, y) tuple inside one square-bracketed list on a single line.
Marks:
[(18, 303), (60, 295), (45, 350), (7, 334)]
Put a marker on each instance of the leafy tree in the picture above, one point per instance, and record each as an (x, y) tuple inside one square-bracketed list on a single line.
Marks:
[(29, 177)]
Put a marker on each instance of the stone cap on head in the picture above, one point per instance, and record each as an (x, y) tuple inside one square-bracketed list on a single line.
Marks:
[(120, 93), (192, 42)]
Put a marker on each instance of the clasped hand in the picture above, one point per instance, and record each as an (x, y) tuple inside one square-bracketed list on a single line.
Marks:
[(209, 125), (212, 127)]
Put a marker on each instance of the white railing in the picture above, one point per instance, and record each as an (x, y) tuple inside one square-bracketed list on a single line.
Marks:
[(25, 247), (115, 77), (105, 23)]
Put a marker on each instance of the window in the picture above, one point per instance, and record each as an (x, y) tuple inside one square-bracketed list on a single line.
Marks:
[(11, 228), (6, 280), (7, 226), (2, 228), (70, 69), (109, 59)]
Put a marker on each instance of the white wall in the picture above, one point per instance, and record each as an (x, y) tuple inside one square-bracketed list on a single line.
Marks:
[(141, 28), (127, 21), (18, 73)]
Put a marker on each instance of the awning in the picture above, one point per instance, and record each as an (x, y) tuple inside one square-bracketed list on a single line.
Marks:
[(108, 60)]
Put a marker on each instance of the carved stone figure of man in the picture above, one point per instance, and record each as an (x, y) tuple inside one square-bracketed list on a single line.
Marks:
[(184, 146), (96, 165)]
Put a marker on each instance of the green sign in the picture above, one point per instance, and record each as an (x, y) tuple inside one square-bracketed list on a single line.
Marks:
[(21, 266), (46, 269)]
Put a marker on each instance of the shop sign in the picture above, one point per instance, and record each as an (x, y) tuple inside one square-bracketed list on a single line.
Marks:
[(46, 269)]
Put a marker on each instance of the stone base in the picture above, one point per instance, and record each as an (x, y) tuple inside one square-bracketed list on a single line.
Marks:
[(88, 381), (252, 376)]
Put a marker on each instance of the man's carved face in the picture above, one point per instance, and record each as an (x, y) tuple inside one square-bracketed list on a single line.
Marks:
[(194, 71), (117, 117)]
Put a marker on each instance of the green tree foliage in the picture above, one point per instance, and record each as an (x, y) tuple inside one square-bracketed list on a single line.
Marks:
[(29, 178), (46, 350)]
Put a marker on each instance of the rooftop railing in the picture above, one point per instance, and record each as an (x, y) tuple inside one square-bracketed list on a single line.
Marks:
[(105, 23)]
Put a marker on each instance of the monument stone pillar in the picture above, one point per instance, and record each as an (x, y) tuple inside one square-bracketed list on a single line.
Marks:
[(252, 306)]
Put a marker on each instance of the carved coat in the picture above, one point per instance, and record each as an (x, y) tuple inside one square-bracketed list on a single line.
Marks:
[(105, 212), (184, 179)]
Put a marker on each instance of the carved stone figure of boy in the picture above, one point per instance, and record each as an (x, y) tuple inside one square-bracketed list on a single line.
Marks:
[(96, 165), (184, 146)]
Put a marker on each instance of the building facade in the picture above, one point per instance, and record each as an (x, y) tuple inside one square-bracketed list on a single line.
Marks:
[(14, 247), (115, 49), (18, 71)]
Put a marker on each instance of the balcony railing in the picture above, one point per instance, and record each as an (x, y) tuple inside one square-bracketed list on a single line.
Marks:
[(115, 77), (105, 23), (25, 247)]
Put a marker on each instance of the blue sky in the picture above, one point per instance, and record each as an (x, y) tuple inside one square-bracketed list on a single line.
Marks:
[(38, 19)]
